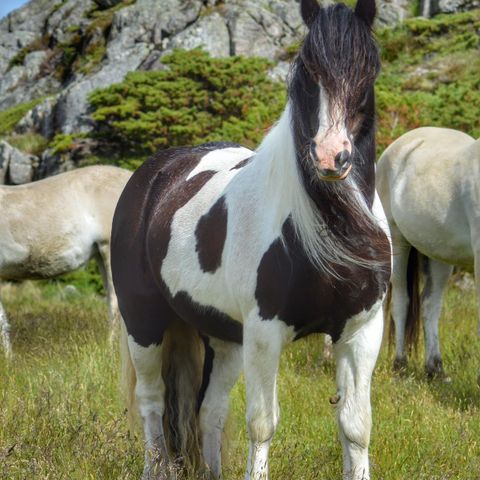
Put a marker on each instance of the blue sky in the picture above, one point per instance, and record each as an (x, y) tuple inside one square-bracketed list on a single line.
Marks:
[(6, 6)]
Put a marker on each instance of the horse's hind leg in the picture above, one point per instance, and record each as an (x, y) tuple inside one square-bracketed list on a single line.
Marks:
[(5, 332), (400, 298), (150, 397), (356, 353), (223, 364), (103, 261), (436, 277)]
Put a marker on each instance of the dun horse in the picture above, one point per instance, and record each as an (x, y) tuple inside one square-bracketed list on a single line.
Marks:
[(56, 225), (429, 183), (243, 252)]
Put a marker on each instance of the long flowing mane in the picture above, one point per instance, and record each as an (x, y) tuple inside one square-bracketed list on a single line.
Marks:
[(339, 56)]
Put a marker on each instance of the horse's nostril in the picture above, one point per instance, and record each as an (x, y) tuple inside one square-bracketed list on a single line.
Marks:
[(313, 150), (342, 158)]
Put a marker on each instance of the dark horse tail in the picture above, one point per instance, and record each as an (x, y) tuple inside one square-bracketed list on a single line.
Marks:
[(412, 325), (182, 370)]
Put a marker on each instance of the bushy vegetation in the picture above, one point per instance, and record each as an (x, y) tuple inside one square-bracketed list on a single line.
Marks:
[(430, 75), (195, 99), (10, 117), (62, 416)]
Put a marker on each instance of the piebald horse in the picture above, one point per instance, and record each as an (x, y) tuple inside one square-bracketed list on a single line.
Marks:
[(56, 225), (220, 256), (429, 184)]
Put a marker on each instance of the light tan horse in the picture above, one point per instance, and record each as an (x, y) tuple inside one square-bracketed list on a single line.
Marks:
[(429, 184), (56, 225)]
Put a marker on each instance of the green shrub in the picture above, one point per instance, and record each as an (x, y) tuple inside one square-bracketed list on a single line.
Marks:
[(195, 99), (10, 117), (429, 76)]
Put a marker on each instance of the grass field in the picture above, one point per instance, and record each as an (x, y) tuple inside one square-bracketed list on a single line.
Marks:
[(61, 416)]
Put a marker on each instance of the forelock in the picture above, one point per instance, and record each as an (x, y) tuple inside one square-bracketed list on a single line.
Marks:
[(340, 53)]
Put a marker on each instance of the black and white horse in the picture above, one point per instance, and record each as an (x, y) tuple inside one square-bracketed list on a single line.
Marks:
[(428, 181), (220, 256)]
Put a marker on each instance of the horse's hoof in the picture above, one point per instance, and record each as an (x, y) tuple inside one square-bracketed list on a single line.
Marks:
[(399, 365), (439, 376)]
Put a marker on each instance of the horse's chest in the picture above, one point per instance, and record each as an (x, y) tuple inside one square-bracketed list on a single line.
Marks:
[(291, 289)]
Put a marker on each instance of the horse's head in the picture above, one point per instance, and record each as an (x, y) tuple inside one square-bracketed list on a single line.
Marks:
[(331, 87)]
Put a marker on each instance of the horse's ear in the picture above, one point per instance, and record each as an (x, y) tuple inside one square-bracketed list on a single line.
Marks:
[(366, 10), (309, 10)]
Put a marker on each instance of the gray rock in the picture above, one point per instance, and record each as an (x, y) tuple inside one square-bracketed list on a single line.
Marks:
[(209, 32), (391, 12), (263, 28), (5, 152), (20, 27), (16, 167), (22, 167), (40, 119), (66, 19), (429, 8), (72, 109), (52, 163)]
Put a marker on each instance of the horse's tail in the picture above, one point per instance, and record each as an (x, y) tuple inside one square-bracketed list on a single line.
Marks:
[(412, 324), (182, 369)]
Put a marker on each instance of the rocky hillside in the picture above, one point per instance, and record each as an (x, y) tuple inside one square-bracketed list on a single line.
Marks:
[(54, 53)]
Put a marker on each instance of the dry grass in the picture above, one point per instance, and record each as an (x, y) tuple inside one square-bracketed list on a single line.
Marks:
[(61, 415)]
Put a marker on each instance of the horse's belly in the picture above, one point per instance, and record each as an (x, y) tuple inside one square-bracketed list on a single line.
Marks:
[(448, 242), (43, 260)]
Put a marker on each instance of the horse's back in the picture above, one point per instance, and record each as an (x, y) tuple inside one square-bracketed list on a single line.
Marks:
[(424, 180), (51, 226)]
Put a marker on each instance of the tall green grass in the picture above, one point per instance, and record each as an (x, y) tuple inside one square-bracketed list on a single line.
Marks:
[(61, 415)]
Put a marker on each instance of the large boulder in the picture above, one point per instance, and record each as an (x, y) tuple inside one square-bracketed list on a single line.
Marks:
[(41, 119), (429, 8), (16, 167)]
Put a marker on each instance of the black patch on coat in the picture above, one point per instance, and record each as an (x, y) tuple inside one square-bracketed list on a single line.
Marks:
[(207, 319), (140, 235), (291, 288), (210, 234), (241, 164), (207, 370)]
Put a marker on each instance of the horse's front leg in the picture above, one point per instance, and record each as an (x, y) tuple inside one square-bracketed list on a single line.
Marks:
[(356, 354), (263, 343)]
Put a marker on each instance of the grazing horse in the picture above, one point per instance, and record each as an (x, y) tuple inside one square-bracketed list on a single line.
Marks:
[(56, 225), (221, 255), (429, 184)]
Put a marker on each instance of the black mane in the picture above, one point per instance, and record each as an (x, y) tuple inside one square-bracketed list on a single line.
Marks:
[(340, 53)]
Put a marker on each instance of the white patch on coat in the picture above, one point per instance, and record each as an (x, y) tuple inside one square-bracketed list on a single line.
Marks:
[(221, 159), (332, 136), (356, 353)]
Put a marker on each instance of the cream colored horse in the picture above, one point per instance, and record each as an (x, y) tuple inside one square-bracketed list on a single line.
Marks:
[(56, 225), (429, 183)]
